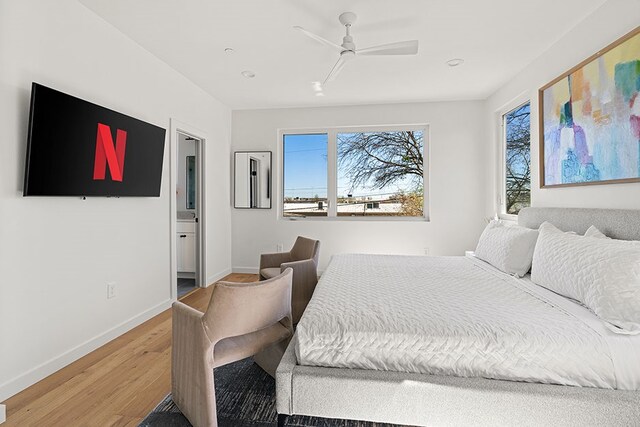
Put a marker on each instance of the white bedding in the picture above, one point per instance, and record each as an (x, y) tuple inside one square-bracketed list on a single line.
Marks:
[(458, 316)]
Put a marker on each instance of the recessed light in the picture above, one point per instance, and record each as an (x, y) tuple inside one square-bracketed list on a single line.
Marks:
[(248, 74), (228, 50), (455, 62), (319, 94), (317, 86)]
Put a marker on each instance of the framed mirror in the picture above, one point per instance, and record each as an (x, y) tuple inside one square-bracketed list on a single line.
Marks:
[(252, 183)]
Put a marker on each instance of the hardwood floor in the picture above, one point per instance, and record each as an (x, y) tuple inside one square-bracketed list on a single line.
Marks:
[(115, 385)]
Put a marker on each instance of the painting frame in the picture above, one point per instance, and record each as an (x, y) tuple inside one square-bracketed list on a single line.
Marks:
[(541, 117)]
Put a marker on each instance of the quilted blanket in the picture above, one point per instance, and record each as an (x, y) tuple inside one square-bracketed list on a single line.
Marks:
[(457, 316)]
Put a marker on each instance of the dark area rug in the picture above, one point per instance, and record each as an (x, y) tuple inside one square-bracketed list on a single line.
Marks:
[(245, 397)]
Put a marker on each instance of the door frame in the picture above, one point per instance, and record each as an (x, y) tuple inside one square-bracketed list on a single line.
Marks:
[(176, 127)]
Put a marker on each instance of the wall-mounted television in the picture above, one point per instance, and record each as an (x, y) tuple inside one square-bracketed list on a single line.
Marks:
[(76, 148)]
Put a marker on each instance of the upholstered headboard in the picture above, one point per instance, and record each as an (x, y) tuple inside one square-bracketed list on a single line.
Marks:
[(621, 224)]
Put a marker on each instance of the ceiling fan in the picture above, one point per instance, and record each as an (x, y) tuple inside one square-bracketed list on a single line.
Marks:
[(348, 49)]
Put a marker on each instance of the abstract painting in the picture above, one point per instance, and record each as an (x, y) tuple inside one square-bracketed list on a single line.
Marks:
[(590, 119)]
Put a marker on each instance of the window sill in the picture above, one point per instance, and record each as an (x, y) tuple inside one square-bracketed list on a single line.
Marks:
[(357, 218), (508, 217)]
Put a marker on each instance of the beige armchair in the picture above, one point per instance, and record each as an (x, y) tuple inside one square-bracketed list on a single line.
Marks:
[(242, 319), (303, 259)]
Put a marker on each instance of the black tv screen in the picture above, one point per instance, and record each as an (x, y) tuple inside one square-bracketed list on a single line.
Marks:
[(76, 148)]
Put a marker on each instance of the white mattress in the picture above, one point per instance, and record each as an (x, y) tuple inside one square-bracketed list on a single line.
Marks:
[(458, 316)]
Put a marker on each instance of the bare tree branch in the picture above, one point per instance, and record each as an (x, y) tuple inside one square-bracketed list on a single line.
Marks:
[(518, 160), (379, 159)]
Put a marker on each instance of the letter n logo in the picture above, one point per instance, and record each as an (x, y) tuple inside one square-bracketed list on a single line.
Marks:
[(106, 152)]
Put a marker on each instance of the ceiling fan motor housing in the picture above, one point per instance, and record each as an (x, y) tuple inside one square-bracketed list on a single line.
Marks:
[(348, 44)]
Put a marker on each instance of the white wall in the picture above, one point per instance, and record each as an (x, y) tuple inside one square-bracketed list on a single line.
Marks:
[(57, 253), (614, 19), (457, 192)]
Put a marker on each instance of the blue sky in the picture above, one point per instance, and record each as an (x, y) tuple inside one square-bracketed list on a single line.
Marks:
[(305, 165), (305, 170)]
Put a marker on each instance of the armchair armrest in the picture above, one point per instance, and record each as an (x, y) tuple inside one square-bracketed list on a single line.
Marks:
[(192, 366), (187, 330), (304, 270), (274, 260), (184, 315)]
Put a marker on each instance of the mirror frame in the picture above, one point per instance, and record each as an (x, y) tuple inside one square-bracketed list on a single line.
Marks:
[(269, 183)]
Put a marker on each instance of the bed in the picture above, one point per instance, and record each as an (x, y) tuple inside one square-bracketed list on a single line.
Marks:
[(387, 359)]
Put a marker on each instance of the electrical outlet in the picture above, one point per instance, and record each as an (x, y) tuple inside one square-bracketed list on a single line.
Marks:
[(111, 290), (280, 247), (427, 251)]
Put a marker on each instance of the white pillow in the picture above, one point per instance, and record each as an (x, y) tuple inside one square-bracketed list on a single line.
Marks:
[(603, 274), (594, 232), (507, 247)]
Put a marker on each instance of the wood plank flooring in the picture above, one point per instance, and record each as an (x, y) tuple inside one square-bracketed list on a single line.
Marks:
[(115, 385)]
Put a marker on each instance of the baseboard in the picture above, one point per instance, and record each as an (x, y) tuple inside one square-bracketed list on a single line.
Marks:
[(22, 381), (217, 276), (3, 414), (246, 270)]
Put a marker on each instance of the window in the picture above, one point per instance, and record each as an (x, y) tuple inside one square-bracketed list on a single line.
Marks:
[(380, 173), (516, 144), (354, 172), (305, 175)]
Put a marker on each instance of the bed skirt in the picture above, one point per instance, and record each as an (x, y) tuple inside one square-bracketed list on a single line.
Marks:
[(423, 400)]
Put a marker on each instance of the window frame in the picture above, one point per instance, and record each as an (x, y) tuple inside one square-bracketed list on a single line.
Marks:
[(332, 170), (501, 208)]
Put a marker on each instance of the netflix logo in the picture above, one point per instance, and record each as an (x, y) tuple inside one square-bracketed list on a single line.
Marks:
[(107, 153)]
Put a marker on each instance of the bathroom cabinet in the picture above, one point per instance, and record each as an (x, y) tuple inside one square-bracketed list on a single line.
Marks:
[(186, 247)]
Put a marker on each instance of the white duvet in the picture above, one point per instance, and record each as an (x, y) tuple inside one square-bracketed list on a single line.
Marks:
[(458, 316)]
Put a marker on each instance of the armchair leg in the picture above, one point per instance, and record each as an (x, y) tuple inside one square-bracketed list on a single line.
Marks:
[(282, 419)]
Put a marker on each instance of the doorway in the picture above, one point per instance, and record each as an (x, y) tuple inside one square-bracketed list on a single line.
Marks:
[(187, 181)]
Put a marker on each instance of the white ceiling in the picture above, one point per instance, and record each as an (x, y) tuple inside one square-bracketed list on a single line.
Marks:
[(496, 38)]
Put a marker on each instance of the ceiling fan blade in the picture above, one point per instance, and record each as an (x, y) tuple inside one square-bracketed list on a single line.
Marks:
[(319, 39), (335, 70), (409, 47)]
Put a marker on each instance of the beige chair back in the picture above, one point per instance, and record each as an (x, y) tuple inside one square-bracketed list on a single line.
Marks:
[(305, 248), (242, 308)]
